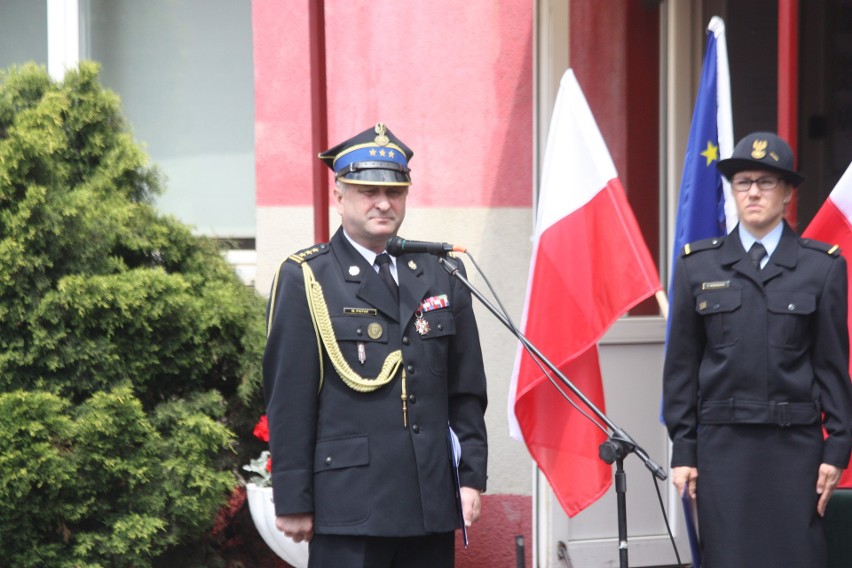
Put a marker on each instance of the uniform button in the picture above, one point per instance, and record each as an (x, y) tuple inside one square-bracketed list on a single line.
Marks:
[(791, 307), (405, 340), (410, 369), (328, 460), (412, 399), (415, 429), (360, 331), (716, 306), (440, 327)]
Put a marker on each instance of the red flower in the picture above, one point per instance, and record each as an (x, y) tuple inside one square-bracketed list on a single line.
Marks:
[(269, 465), (261, 429)]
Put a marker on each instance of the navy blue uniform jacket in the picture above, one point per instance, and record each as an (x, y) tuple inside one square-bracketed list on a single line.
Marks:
[(344, 455), (740, 336)]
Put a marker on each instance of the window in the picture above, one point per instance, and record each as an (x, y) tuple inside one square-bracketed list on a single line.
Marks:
[(23, 32), (184, 72)]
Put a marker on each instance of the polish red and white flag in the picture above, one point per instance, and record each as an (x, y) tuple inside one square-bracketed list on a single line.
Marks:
[(833, 224), (590, 265)]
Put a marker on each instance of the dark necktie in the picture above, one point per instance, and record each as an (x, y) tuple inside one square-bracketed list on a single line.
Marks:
[(384, 263), (756, 253)]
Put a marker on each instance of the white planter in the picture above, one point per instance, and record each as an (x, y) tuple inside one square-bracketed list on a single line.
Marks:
[(263, 515)]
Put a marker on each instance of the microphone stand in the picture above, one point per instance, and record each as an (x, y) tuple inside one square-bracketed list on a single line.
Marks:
[(618, 445)]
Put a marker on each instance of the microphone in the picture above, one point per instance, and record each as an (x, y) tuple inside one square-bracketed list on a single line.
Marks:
[(397, 246)]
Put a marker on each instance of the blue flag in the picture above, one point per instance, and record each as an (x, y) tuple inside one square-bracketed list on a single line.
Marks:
[(701, 205)]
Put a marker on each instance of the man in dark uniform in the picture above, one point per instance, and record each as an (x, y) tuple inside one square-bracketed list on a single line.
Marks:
[(756, 366), (369, 362)]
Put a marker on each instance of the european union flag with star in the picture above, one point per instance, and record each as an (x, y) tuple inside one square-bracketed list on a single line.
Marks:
[(701, 206)]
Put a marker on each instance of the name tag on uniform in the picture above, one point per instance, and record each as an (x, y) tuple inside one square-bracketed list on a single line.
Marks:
[(716, 285), (359, 312)]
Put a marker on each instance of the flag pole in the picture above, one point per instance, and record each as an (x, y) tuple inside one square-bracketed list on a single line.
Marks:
[(663, 302)]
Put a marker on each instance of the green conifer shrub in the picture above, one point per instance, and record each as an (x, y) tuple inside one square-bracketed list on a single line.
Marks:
[(129, 349)]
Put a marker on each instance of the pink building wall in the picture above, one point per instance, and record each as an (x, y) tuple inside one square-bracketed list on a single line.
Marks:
[(452, 79)]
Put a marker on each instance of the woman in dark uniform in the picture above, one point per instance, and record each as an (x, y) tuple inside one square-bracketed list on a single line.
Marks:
[(756, 366)]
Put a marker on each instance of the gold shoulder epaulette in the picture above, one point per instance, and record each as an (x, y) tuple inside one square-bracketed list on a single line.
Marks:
[(831, 250), (308, 253), (298, 258), (704, 244)]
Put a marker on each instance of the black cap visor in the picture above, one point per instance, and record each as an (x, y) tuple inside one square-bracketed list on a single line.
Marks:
[(375, 173), (732, 166)]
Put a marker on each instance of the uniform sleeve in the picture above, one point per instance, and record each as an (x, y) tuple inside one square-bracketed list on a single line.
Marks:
[(831, 365), (291, 371), (680, 373), (467, 389)]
